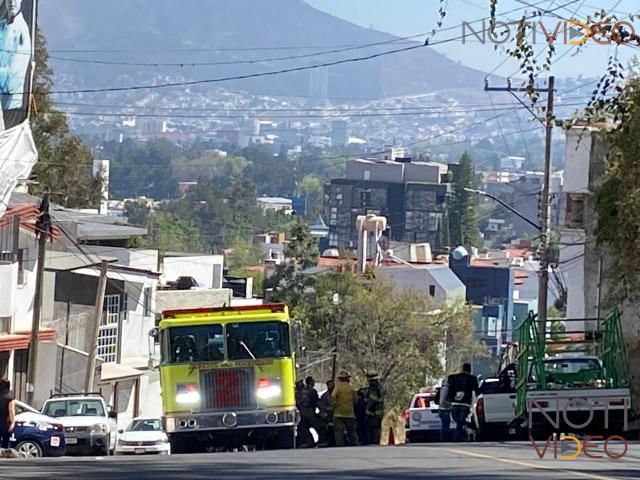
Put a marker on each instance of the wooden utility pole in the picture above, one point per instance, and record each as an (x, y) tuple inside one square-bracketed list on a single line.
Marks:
[(43, 229), (94, 328), (545, 202)]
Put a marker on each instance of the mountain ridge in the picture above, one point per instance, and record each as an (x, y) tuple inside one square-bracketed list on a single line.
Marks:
[(192, 30)]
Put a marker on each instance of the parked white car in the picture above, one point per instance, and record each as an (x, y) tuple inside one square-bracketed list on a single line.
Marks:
[(143, 436)]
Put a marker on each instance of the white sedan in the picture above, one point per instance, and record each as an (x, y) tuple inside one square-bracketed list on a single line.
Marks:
[(143, 436)]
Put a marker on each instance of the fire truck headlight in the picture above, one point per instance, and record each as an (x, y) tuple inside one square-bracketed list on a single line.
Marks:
[(187, 394), (268, 390)]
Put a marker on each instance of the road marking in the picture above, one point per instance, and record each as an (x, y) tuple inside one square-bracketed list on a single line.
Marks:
[(591, 476)]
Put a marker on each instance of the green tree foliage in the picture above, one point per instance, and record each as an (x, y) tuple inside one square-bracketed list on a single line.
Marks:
[(244, 254), (463, 213), (142, 169), (167, 231), (618, 199), (288, 283), (399, 334), (311, 187), (64, 164)]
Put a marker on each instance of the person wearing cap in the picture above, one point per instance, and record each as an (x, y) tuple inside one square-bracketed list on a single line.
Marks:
[(375, 408), (344, 418)]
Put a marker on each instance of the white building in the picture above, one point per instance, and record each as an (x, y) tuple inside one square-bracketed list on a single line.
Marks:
[(278, 204)]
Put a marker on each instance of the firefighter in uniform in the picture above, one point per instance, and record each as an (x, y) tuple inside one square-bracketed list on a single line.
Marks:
[(375, 408)]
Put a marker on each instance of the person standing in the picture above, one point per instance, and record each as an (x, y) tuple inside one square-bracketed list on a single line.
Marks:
[(344, 399), (462, 386), (444, 411), (361, 416), (375, 408), (308, 411), (325, 407), (7, 413)]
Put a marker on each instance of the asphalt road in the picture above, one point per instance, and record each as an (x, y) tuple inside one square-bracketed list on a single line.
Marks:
[(486, 461)]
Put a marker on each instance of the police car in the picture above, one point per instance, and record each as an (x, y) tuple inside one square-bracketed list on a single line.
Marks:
[(422, 418)]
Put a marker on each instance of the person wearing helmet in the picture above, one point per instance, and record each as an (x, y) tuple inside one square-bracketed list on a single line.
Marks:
[(344, 417), (375, 408)]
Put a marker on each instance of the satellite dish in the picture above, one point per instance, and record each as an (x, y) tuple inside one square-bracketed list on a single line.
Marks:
[(459, 253)]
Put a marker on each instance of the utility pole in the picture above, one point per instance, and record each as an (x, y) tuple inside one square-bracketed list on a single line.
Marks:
[(94, 328), (545, 203), (335, 300), (43, 229)]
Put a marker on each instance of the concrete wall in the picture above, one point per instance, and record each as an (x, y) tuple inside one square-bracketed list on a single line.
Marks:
[(173, 299), (200, 267), (8, 281), (378, 171), (422, 172)]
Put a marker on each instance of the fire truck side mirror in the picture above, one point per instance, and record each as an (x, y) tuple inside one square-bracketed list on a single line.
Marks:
[(298, 336), (154, 333)]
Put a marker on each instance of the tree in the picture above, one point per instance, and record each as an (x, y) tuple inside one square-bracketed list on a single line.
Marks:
[(400, 335), (617, 202), (463, 215), (288, 283), (64, 164), (311, 188)]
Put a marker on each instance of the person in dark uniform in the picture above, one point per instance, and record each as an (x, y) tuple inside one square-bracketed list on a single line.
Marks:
[(7, 413)]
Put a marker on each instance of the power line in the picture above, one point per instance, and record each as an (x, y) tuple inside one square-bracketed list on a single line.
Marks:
[(269, 73)]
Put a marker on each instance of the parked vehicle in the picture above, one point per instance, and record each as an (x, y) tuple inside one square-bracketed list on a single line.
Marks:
[(422, 418), (582, 375), (493, 410), (143, 436), (89, 423), (37, 435)]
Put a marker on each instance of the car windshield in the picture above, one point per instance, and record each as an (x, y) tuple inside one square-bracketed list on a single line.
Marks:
[(253, 340), (202, 343), (146, 425), (74, 408)]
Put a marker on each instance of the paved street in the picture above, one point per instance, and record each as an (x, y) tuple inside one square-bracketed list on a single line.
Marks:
[(513, 461)]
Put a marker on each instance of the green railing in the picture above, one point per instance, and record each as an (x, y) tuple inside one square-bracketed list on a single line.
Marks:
[(604, 339), (614, 353)]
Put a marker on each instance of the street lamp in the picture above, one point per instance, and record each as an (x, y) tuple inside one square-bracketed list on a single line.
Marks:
[(335, 300)]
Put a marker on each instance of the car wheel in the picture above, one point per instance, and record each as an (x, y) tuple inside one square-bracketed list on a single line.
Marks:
[(30, 448)]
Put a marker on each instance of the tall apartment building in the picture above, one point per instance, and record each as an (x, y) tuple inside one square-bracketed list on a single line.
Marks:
[(412, 195)]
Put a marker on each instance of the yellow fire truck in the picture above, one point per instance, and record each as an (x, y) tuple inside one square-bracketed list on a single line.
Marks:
[(228, 377)]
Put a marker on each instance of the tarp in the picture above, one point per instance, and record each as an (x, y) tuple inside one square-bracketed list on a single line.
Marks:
[(17, 157), (17, 150)]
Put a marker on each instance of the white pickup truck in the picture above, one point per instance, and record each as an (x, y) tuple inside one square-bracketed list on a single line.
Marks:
[(493, 409), (576, 398), (575, 392), (89, 423)]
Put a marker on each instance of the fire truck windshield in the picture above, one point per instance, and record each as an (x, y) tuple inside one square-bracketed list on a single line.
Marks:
[(258, 340), (244, 341)]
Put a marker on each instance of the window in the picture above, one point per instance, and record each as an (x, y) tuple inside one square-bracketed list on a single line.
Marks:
[(147, 301), (107, 345), (575, 210), (333, 239), (365, 198), (202, 343), (5, 325), (258, 340), (74, 408), (146, 425), (432, 290), (366, 175)]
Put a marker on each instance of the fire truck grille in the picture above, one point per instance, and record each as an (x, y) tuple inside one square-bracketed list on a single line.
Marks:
[(228, 389)]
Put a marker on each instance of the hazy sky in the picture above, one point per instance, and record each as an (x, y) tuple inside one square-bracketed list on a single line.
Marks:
[(410, 17)]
